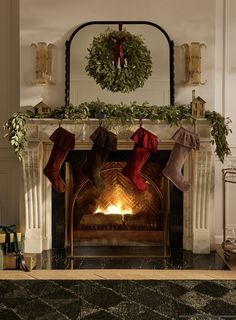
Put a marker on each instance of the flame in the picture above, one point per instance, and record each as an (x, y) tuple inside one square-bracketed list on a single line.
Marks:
[(117, 208)]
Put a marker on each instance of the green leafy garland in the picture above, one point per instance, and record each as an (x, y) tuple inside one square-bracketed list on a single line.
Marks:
[(219, 131), (121, 114), (16, 131), (101, 66)]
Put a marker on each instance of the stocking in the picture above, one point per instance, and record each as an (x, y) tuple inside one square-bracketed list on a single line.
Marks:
[(145, 142), (104, 141), (63, 142), (185, 141)]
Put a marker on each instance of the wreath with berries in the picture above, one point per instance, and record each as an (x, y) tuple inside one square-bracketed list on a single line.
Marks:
[(119, 61)]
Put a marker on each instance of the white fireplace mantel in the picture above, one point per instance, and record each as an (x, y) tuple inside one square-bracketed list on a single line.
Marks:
[(36, 215)]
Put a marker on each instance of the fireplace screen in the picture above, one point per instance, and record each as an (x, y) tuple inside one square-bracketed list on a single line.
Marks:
[(138, 216)]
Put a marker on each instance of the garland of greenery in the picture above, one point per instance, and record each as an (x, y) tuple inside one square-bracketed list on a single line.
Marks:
[(219, 131), (16, 131), (121, 114), (107, 72)]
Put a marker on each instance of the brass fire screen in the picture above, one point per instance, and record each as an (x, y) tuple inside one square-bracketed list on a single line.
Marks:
[(144, 215)]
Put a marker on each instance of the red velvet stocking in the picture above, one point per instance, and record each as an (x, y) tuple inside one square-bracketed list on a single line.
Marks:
[(145, 142), (63, 142)]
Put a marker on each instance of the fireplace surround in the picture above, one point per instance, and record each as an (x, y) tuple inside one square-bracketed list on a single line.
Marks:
[(36, 209)]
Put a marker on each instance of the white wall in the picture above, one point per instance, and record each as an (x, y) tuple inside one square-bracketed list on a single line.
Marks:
[(53, 21), (9, 97), (225, 79)]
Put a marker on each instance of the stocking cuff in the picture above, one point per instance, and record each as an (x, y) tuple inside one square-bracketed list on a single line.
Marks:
[(187, 138), (63, 138), (105, 139), (145, 138)]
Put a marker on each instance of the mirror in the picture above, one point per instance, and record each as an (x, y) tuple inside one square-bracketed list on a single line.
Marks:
[(158, 88)]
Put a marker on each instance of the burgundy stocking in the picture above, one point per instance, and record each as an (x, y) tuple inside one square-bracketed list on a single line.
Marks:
[(63, 142), (145, 142)]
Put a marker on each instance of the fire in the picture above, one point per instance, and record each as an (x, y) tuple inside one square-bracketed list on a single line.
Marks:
[(117, 208)]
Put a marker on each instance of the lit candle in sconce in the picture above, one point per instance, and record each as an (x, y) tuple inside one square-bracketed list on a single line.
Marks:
[(44, 55)]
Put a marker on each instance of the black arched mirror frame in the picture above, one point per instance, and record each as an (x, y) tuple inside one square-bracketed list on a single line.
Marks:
[(84, 25)]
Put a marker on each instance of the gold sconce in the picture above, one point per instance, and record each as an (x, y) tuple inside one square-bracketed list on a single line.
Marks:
[(193, 62), (44, 55)]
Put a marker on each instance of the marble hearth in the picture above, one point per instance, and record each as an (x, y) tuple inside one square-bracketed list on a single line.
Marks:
[(36, 213)]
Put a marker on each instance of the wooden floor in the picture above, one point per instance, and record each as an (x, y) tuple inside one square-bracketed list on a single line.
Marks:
[(106, 274)]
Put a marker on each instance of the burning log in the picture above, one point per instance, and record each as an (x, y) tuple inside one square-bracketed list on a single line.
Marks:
[(135, 220), (101, 219)]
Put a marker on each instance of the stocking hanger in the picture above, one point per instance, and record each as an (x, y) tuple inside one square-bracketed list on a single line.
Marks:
[(140, 121), (100, 122), (59, 123), (194, 124), (100, 116)]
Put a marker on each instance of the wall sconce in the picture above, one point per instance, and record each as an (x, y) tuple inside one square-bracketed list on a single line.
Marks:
[(193, 62), (43, 63)]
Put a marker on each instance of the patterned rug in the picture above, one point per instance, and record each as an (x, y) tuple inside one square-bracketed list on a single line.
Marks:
[(117, 300)]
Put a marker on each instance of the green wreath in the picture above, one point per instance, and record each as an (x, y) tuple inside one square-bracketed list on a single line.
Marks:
[(119, 61)]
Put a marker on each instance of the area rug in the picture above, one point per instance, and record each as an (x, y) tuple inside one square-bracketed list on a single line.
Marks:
[(117, 300)]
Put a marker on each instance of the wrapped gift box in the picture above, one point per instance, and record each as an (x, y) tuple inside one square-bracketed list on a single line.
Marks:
[(3, 237), (9, 261), (19, 238), (1, 259)]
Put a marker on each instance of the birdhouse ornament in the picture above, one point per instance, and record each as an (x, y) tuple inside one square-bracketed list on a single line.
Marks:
[(198, 106), (41, 108)]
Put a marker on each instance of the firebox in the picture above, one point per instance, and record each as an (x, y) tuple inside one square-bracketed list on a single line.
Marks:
[(120, 214)]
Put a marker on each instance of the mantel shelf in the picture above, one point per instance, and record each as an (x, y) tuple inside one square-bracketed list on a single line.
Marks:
[(41, 129), (200, 121)]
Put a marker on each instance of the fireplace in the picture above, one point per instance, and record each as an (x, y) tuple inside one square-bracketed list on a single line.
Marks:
[(120, 214), (36, 210), (120, 205)]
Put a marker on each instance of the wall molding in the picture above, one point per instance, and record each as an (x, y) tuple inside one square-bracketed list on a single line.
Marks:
[(222, 27), (225, 88)]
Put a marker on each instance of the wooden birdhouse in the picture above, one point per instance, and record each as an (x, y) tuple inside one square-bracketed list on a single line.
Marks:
[(41, 108), (198, 106)]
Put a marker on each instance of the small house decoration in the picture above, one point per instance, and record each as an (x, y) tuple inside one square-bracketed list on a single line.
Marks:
[(198, 106), (41, 108)]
